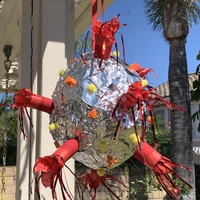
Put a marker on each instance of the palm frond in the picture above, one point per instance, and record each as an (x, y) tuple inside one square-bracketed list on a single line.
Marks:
[(193, 11), (154, 10)]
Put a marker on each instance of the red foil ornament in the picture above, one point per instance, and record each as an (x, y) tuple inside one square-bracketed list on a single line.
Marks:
[(25, 98), (51, 167), (92, 181), (104, 37), (161, 166)]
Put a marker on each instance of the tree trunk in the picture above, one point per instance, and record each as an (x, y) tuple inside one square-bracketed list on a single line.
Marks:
[(181, 126)]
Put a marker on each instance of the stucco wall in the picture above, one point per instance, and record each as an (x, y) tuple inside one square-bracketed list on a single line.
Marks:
[(10, 182), (102, 193)]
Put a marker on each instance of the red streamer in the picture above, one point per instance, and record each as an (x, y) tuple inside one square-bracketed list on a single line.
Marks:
[(25, 98), (161, 167), (51, 166), (92, 180), (104, 37), (94, 19)]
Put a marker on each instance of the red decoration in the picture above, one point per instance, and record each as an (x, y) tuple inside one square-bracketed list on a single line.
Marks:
[(104, 37), (51, 166), (92, 181), (141, 71), (161, 167), (137, 95), (25, 98)]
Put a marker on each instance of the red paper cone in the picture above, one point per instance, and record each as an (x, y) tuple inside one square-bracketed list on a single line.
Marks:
[(25, 98), (56, 161), (147, 155), (50, 166), (161, 166), (103, 47), (104, 37)]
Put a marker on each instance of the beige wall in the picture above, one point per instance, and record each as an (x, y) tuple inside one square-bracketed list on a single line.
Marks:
[(10, 183), (102, 193), (45, 49)]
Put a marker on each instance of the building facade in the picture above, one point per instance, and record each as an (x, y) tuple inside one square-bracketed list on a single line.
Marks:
[(164, 112)]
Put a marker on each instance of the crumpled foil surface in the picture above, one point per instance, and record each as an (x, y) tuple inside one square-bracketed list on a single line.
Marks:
[(72, 104)]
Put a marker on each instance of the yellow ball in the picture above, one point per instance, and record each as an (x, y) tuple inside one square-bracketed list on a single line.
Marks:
[(144, 82), (134, 139), (61, 72), (115, 53), (91, 88), (53, 126), (101, 172), (102, 146)]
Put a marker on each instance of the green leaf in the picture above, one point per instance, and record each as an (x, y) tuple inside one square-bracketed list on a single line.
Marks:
[(197, 69), (196, 84), (198, 128), (141, 181), (194, 116), (195, 95), (198, 56)]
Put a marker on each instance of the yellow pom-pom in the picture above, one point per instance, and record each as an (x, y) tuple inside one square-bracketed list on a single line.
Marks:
[(101, 172), (144, 82), (53, 126), (115, 53), (134, 139), (61, 72), (91, 88), (102, 146)]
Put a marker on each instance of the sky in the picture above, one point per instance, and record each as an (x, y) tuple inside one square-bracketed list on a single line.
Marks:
[(145, 46)]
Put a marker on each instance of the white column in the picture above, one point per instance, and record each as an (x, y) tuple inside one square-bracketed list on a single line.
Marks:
[(46, 38)]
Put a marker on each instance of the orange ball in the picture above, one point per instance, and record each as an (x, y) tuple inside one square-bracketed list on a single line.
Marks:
[(115, 161), (150, 120)]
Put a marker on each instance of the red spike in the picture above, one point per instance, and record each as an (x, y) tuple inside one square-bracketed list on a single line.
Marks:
[(51, 166), (93, 181), (25, 98), (161, 167)]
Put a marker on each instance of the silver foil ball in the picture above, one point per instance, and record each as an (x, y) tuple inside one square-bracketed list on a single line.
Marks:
[(98, 87)]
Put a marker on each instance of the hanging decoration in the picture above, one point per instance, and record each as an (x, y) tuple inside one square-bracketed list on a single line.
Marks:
[(104, 37), (98, 116), (100, 112)]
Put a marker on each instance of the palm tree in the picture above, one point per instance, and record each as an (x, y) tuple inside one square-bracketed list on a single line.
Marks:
[(174, 17)]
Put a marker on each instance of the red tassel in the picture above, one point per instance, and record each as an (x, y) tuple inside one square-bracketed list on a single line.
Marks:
[(51, 166), (92, 180), (104, 37), (141, 71), (161, 167), (95, 16), (25, 98)]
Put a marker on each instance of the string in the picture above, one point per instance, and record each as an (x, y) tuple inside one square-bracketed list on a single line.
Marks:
[(95, 17)]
